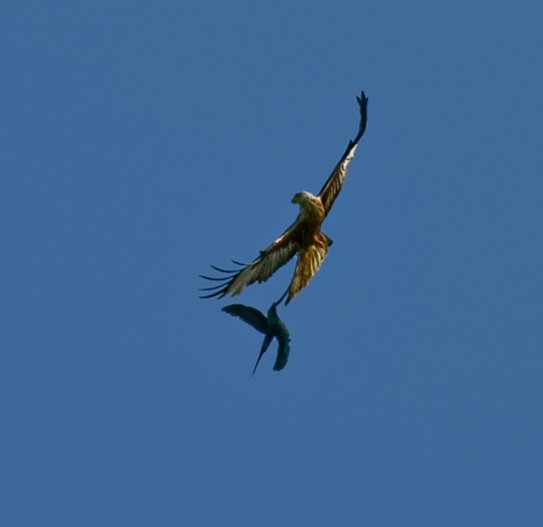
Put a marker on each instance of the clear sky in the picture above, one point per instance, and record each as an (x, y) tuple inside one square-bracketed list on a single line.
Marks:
[(143, 141)]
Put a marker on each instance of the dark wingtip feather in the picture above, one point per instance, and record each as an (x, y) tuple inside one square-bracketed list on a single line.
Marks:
[(241, 264), (220, 289), (228, 271), (363, 99), (218, 294), (214, 278), (212, 288)]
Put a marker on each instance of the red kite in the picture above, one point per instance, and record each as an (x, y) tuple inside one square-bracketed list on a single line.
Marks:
[(303, 238)]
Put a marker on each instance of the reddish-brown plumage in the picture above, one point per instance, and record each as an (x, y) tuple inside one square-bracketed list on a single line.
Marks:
[(304, 238)]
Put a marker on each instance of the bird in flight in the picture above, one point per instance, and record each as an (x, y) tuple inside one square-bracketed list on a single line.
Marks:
[(303, 238), (272, 327)]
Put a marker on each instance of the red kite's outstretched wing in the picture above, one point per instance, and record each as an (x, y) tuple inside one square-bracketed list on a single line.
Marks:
[(331, 188), (259, 270)]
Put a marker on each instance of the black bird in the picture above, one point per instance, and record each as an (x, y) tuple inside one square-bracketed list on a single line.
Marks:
[(272, 327)]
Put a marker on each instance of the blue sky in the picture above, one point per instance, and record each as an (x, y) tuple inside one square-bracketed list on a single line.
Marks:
[(142, 141)]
